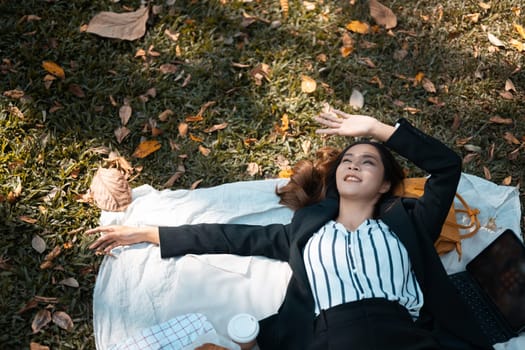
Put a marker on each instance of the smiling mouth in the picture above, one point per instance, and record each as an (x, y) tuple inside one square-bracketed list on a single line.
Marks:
[(351, 178)]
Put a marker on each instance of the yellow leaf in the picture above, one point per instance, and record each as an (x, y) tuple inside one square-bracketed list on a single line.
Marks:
[(520, 30), (54, 69), (195, 138), (285, 123), (358, 27), (308, 85), (204, 151), (145, 148), (285, 173), (346, 51), (506, 181)]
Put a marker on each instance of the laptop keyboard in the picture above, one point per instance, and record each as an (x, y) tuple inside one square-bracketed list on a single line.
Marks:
[(488, 323)]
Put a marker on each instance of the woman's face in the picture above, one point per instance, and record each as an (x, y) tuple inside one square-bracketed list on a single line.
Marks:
[(360, 175)]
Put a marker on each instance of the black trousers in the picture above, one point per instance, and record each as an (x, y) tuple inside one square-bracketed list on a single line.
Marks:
[(370, 324)]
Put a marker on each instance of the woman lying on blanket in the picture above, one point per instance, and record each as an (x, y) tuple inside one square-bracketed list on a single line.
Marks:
[(365, 272)]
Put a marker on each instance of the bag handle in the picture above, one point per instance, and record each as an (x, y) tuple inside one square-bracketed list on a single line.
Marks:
[(472, 214)]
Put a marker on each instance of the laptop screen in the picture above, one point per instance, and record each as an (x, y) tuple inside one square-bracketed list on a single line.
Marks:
[(500, 271)]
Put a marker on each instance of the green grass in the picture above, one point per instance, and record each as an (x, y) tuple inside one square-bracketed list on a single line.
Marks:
[(54, 152)]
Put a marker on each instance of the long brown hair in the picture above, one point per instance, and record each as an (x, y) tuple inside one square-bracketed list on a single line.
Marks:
[(312, 181)]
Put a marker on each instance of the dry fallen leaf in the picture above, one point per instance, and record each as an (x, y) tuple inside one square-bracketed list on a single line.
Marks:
[(357, 100), (216, 127), (41, 319), (37, 346), (518, 45), (110, 190), (61, 319), (382, 15), (183, 129), (252, 169), (168, 68), (506, 181), (54, 69), (511, 139), (70, 282), (172, 36), (484, 5), (145, 148), (428, 85), (500, 120), (125, 113), (121, 133), (308, 85), (520, 30), (262, 71), (358, 27), (125, 26), (495, 41), (509, 85), (38, 244), (14, 94), (204, 151), (284, 8), (507, 95), (486, 173)]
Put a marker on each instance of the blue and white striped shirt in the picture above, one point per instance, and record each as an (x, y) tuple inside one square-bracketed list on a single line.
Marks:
[(370, 262)]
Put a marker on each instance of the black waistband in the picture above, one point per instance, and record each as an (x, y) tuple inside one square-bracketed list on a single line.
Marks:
[(359, 309)]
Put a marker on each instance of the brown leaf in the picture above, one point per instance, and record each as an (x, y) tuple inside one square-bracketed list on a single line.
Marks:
[(511, 139), (54, 69), (507, 95), (164, 116), (168, 68), (194, 118), (205, 107), (125, 26), (172, 36), (28, 219), (494, 40), (507, 181), (518, 45), (145, 148), (70, 282), (183, 129), (175, 177), (428, 85), (195, 184), (469, 157), (195, 138), (358, 27), (382, 15), (62, 319), (499, 120), (484, 5), (110, 190), (41, 319), (473, 17), (37, 346), (487, 174), (14, 94), (368, 62), (121, 133), (262, 71), (76, 90), (520, 30), (308, 85), (216, 127), (38, 244), (125, 113), (509, 85)]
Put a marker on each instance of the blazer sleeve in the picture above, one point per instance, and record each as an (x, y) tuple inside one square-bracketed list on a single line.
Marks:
[(271, 241), (444, 166)]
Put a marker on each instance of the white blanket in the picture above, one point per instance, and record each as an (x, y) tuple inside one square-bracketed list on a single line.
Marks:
[(137, 289)]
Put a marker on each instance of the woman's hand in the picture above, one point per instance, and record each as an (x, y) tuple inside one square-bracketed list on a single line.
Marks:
[(354, 125), (115, 236)]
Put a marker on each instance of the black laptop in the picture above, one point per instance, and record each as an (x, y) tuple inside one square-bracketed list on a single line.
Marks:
[(493, 286)]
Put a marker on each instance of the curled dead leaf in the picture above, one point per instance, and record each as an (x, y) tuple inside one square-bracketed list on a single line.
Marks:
[(486, 173), (37, 346), (428, 85), (14, 94), (63, 320), (511, 139), (252, 169), (518, 45), (110, 190), (507, 95), (126, 26), (204, 151), (168, 68), (41, 319), (507, 181), (172, 36), (216, 127), (260, 72), (145, 148), (383, 15), (472, 148), (76, 90), (164, 116), (520, 30), (308, 85), (509, 85)]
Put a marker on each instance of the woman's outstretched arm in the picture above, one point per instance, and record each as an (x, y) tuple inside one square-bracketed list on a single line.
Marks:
[(116, 235)]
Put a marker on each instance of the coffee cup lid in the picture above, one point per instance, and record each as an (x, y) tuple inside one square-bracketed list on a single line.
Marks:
[(243, 328)]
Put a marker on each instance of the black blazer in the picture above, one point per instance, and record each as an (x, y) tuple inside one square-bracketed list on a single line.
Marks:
[(417, 223)]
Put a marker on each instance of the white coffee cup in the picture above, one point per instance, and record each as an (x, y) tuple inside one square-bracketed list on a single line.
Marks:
[(243, 329)]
